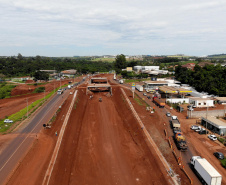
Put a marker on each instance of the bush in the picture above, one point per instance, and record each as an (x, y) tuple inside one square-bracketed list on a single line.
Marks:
[(223, 162), (5, 90), (39, 90)]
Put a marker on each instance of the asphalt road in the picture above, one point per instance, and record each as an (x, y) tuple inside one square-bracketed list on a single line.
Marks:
[(18, 147)]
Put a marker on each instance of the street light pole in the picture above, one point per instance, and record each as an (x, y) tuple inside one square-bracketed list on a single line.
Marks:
[(27, 107)]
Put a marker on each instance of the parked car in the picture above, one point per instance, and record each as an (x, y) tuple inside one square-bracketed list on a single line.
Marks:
[(203, 132), (145, 94), (148, 97), (193, 106), (198, 129), (218, 155), (8, 121), (212, 137), (168, 114), (195, 127)]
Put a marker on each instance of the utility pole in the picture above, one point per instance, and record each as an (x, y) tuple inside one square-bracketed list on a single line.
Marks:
[(27, 107), (206, 116)]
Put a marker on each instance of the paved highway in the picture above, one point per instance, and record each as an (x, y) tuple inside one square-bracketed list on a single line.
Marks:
[(18, 147)]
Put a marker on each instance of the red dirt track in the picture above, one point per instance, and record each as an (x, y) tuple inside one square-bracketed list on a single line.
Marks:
[(98, 148), (102, 144)]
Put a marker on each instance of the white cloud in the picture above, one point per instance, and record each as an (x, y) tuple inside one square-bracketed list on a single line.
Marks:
[(113, 25)]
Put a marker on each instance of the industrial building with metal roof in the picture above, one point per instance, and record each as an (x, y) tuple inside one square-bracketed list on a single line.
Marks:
[(216, 125)]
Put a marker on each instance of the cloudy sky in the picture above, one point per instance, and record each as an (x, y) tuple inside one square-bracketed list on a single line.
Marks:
[(99, 27)]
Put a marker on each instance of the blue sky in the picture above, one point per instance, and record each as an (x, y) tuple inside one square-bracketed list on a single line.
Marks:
[(101, 27)]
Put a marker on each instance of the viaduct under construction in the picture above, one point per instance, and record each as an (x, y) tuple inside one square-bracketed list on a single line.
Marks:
[(99, 85)]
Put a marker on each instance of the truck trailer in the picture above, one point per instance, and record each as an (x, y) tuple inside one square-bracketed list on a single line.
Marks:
[(139, 88), (206, 172), (159, 102)]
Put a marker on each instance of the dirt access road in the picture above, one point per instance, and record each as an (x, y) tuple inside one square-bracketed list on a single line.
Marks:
[(103, 144)]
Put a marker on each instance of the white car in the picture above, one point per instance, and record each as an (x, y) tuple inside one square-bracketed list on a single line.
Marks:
[(199, 129), (145, 94), (8, 121), (195, 127), (212, 137), (168, 114)]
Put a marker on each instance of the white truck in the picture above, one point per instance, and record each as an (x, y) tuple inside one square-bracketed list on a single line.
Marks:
[(207, 173), (139, 88), (114, 76), (121, 81)]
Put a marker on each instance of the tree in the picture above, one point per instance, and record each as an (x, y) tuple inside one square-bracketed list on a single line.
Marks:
[(120, 63), (41, 75), (19, 56)]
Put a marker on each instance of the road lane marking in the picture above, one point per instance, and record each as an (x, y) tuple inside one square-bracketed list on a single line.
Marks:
[(26, 138), (58, 144)]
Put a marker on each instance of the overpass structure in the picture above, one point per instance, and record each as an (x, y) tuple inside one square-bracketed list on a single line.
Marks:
[(99, 85)]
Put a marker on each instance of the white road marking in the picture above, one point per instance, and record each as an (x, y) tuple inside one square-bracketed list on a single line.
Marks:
[(23, 141), (57, 147)]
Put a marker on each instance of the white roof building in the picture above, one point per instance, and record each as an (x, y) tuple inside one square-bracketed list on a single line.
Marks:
[(201, 102)]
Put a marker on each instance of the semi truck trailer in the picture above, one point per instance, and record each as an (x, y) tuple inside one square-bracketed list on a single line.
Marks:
[(139, 88), (205, 171), (159, 102)]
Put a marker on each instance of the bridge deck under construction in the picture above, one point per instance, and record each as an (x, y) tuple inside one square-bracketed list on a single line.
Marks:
[(99, 87)]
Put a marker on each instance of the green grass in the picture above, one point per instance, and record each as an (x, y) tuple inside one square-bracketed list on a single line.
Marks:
[(39, 90), (104, 59), (136, 80), (140, 101), (223, 162), (22, 114), (5, 90)]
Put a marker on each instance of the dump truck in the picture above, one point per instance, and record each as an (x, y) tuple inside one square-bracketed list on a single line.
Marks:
[(180, 141), (175, 124), (159, 102), (139, 88), (205, 171)]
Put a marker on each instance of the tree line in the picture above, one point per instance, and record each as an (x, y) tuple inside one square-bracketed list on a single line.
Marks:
[(23, 66), (210, 78)]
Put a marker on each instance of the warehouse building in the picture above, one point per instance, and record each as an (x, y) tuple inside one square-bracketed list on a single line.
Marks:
[(221, 100), (215, 125)]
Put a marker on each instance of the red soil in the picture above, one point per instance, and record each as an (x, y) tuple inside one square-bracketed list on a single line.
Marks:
[(23, 92), (103, 144), (100, 146)]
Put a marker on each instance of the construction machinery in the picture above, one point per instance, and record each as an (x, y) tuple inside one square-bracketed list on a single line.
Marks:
[(180, 141)]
